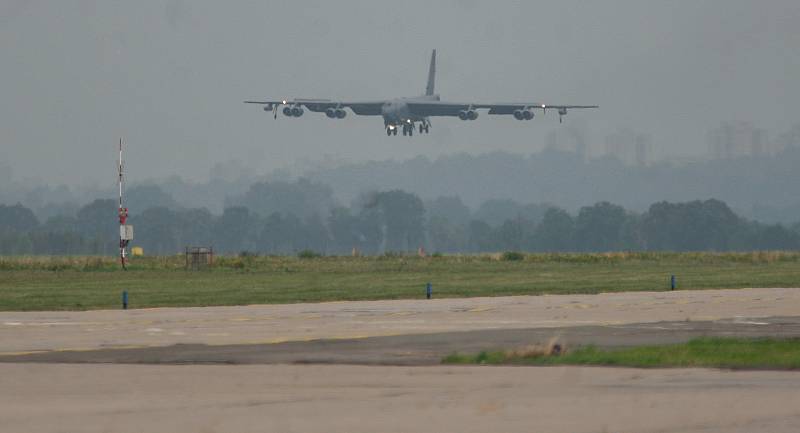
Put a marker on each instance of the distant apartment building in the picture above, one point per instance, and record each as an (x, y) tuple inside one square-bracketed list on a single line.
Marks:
[(630, 147), (735, 139), (790, 138)]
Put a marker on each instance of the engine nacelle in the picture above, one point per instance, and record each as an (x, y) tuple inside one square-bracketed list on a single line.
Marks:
[(297, 111), (335, 113), (562, 111), (525, 114), (268, 108), (467, 114), (287, 111)]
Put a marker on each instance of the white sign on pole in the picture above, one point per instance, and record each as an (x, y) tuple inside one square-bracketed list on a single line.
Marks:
[(126, 232)]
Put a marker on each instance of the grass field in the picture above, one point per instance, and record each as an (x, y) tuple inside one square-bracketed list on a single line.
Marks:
[(735, 353), (77, 283)]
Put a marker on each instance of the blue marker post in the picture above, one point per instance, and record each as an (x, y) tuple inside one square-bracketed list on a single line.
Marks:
[(428, 290), (124, 299), (672, 283)]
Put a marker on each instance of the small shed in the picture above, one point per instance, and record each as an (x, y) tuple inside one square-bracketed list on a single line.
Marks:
[(199, 257)]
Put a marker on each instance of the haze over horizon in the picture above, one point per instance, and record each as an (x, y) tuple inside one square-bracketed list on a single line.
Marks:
[(170, 78)]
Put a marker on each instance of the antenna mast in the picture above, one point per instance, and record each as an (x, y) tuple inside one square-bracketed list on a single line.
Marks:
[(120, 173), (125, 231)]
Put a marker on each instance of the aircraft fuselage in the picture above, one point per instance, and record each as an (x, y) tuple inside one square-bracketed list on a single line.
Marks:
[(396, 112)]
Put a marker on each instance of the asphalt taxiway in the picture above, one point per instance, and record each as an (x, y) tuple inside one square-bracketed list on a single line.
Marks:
[(26, 332)]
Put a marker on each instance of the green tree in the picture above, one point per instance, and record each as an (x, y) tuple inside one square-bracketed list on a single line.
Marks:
[(98, 223), (513, 234), (236, 230), (755, 236), (303, 198), (52, 242), (159, 231), (555, 233), (142, 197), (345, 230), (17, 218), (481, 237), (450, 208), (403, 218), (313, 235), (445, 236), (602, 227), (692, 226), (497, 211), (196, 227)]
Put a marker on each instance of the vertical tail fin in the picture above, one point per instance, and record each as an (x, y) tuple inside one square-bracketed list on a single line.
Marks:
[(431, 74)]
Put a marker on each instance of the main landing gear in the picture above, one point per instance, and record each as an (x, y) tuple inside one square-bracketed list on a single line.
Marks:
[(408, 129)]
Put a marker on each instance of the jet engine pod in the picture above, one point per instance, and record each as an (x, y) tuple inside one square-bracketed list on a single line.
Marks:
[(268, 107), (527, 114), (331, 112), (562, 111), (297, 111), (287, 111), (467, 114), (340, 114), (519, 115)]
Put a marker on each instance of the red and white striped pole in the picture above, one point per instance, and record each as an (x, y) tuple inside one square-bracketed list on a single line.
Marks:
[(123, 213)]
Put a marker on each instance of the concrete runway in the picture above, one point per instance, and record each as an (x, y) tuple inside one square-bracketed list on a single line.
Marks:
[(50, 396), (289, 398)]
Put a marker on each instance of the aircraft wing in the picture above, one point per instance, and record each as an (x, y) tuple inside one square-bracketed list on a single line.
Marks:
[(442, 108), (363, 108)]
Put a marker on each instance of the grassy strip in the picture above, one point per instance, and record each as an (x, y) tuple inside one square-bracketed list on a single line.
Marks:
[(256, 263), (715, 352), (77, 283)]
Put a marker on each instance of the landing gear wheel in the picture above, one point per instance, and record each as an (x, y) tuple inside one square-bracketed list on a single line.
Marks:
[(410, 130), (394, 131), (405, 130), (388, 131)]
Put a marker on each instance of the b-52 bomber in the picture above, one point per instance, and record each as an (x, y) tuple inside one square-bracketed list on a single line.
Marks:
[(406, 113)]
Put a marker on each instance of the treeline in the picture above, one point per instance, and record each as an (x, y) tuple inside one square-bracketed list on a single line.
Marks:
[(286, 218), (758, 187)]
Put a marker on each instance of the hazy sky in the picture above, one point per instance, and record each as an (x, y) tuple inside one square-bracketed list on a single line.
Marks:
[(171, 76)]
